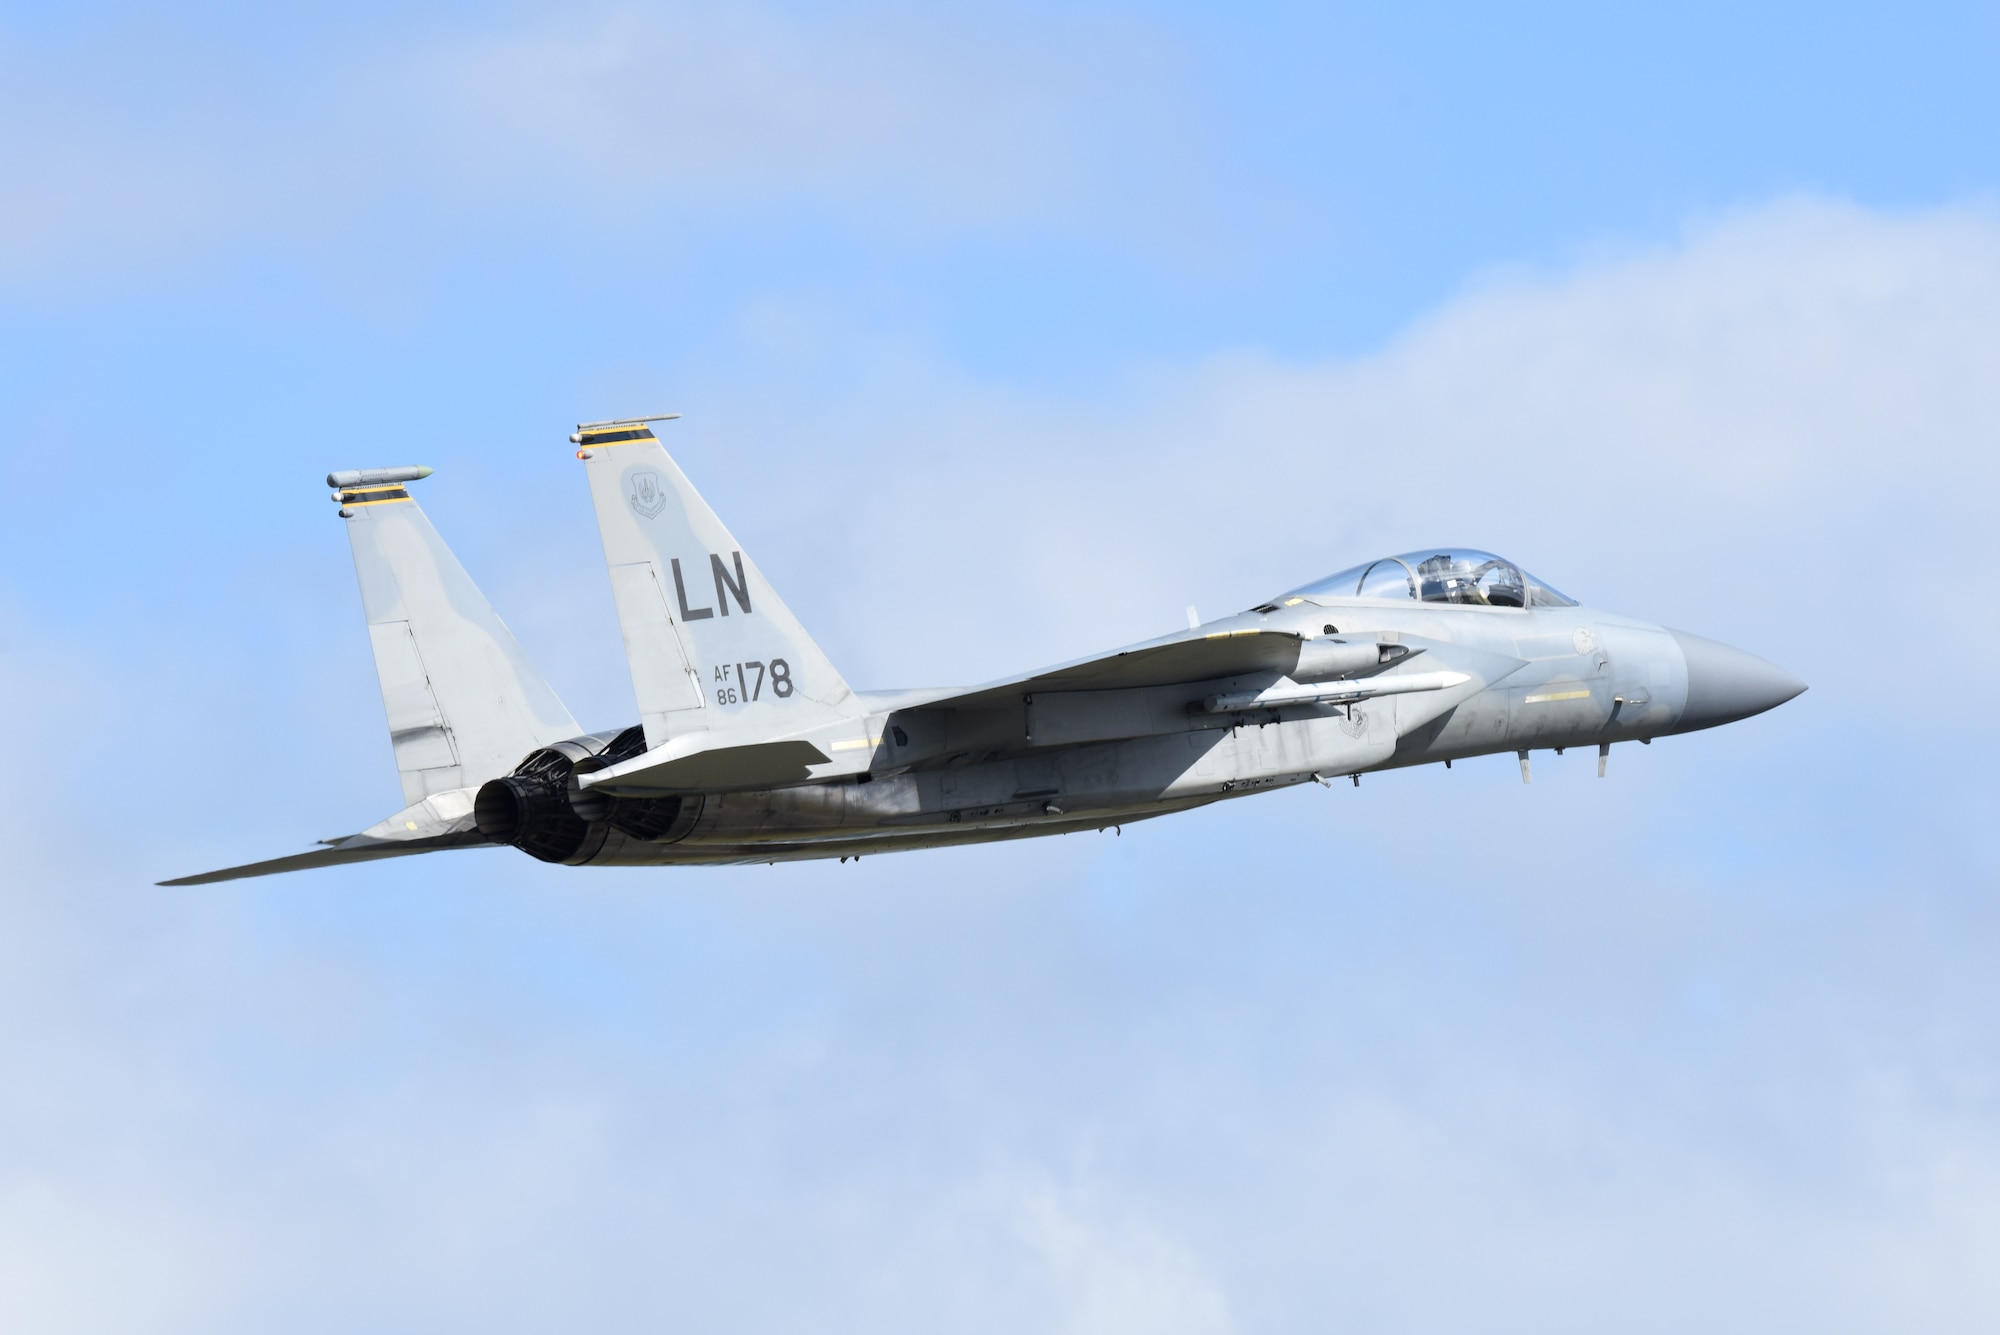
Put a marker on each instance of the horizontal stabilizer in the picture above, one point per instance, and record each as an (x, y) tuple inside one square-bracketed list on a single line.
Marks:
[(715, 769), (352, 849), (438, 822)]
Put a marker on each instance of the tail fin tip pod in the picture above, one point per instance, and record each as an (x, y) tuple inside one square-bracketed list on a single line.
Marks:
[(464, 704), (710, 643), (352, 478)]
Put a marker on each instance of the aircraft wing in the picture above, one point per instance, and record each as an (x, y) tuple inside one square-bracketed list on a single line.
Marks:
[(739, 761), (1186, 681), (1158, 686)]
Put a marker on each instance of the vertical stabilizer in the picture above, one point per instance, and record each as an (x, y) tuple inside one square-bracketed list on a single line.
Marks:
[(710, 643), (464, 702)]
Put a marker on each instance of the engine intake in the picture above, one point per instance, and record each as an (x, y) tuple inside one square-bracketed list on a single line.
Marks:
[(1325, 659)]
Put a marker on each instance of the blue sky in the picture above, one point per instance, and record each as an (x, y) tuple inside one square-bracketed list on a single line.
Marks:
[(1003, 335)]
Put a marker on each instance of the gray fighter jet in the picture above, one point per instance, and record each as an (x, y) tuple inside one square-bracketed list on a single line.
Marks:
[(751, 747)]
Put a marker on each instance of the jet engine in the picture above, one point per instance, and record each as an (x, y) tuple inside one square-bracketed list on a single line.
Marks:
[(540, 809)]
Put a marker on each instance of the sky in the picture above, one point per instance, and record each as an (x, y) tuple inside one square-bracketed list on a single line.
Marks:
[(1002, 334)]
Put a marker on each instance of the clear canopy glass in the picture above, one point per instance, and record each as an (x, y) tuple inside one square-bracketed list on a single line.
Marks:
[(1448, 575)]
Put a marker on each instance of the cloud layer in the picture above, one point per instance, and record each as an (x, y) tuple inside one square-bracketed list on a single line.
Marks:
[(130, 145), (1708, 1044)]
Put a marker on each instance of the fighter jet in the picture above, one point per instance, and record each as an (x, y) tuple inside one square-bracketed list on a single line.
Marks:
[(751, 747)]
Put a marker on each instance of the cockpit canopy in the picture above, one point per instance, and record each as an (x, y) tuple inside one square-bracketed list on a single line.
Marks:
[(1448, 575)]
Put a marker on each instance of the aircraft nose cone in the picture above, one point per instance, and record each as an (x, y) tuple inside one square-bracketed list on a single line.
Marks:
[(1726, 684)]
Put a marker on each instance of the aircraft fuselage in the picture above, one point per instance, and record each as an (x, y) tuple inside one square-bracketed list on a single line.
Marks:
[(752, 747), (1035, 763)]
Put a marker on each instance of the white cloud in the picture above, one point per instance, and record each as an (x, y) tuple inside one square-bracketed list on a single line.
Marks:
[(1779, 426), (1115, 1276), (606, 116), (1246, 1068)]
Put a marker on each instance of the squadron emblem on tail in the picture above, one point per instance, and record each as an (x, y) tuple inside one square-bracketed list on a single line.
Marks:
[(646, 493)]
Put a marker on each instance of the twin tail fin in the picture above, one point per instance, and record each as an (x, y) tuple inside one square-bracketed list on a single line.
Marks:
[(718, 661), (464, 704), (711, 645)]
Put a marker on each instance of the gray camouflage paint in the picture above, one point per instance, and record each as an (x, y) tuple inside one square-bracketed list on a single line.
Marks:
[(752, 748)]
